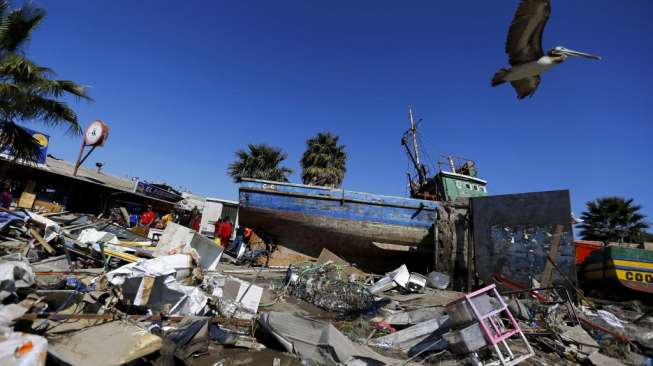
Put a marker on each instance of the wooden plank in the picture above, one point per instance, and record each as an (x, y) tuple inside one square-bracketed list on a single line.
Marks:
[(124, 256), (547, 274), (28, 196), (26, 200), (39, 239)]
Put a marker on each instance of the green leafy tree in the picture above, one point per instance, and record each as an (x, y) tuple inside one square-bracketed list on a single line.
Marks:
[(323, 162), (613, 219), (260, 162), (27, 91)]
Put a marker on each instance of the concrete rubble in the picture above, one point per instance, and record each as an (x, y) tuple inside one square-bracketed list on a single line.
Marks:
[(81, 290)]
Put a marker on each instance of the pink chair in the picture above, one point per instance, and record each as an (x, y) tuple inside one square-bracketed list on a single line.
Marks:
[(494, 328)]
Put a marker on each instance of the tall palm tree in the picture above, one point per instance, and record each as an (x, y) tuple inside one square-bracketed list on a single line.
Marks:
[(27, 90), (613, 219), (260, 162), (323, 162)]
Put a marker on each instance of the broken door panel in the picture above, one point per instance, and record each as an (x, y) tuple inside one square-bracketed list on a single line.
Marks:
[(513, 234)]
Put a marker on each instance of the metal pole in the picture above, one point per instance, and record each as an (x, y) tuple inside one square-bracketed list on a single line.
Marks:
[(452, 165), (79, 158), (436, 249)]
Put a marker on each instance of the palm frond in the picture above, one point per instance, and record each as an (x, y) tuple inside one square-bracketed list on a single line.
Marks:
[(613, 219), (27, 90), (323, 162), (22, 145), (260, 162), (18, 26)]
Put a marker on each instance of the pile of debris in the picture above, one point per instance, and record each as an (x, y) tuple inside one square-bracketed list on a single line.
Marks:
[(77, 289)]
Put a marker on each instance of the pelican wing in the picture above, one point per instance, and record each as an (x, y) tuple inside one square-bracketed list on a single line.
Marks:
[(524, 42), (526, 87)]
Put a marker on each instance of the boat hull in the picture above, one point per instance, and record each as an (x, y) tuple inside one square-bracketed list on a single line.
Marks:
[(628, 268), (375, 232)]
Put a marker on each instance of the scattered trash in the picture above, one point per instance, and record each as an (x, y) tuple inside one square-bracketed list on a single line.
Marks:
[(492, 323), (466, 340), (238, 298), (23, 349), (437, 280), (112, 343), (323, 286), (405, 339), (398, 277), (14, 275), (318, 342), (88, 290)]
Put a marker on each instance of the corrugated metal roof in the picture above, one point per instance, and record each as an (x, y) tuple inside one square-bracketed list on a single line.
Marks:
[(66, 168)]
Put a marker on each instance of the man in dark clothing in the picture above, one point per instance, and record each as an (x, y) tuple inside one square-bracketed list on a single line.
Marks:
[(5, 196), (195, 219)]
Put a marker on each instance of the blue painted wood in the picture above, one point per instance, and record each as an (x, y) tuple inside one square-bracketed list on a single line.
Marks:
[(337, 203), (357, 226)]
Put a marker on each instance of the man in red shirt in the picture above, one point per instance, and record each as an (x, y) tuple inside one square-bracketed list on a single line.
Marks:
[(217, 226), (226, 229), (147, 217)]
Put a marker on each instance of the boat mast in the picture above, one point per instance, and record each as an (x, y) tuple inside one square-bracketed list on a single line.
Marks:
[(421, 169), (413, 130)]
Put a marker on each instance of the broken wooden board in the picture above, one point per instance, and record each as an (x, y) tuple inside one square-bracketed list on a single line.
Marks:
[(39, 239), (547, 274)]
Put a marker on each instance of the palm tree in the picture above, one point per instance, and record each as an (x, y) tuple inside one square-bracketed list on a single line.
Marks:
[(613, 219), (27, 90), (260, 162), (323, 163)]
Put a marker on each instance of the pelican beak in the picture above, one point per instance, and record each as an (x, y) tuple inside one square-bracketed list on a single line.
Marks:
[(579, 54)]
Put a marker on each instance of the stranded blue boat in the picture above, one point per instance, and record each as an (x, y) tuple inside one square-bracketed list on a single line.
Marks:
[(361, 227), (376, 232)]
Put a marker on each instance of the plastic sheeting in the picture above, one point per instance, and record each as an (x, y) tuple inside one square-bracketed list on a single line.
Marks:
[(20, 349), (9, 313), (7, 218), (14, 275), (92, 236)]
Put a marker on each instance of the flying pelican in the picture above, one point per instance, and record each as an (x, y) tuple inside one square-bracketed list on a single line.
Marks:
[(524, 46)]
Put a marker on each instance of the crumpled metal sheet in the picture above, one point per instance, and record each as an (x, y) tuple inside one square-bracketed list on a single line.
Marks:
[(155, 284), (318, 341)]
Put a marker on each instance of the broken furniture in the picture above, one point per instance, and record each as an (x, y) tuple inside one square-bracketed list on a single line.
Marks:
[(475, 314)]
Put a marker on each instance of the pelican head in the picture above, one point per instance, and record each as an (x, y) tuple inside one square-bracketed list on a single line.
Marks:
[(564, 52)]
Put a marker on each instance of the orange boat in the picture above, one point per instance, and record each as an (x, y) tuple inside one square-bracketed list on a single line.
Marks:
[(585, 248)]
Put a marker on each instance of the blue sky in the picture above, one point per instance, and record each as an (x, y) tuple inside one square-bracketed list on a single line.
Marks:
[(184, 84)]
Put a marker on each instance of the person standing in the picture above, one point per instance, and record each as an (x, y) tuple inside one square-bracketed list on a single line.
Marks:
[(147, 217), (226, 228), (168, 218), (5, 197), (195, 219), (217, 228)]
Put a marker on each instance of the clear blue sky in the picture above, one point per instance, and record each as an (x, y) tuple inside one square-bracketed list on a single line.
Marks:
[(184, 84)]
